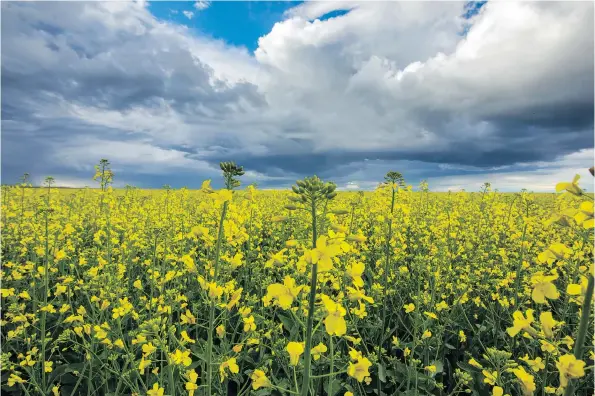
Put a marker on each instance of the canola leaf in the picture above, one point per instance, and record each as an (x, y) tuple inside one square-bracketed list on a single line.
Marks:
[(288, 322), (381, 373), (198, 352)]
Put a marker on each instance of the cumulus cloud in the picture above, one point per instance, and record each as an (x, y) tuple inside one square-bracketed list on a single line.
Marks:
[(347, 95), (202, 5)]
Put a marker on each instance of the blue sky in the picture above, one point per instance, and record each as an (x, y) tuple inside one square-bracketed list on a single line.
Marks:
[(456, 93), (238, 23)]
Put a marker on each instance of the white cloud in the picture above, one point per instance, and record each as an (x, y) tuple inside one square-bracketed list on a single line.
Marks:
[(537, 177), (202, 5), (145, 157), (74, 182), (188, 14), (386, 81), (352, 186)]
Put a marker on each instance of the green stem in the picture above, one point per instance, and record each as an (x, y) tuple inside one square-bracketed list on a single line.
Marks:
[(582, 329), (307, 360), (332, 368), (384, 285), (45, 303), (329, 375), (212, 305)]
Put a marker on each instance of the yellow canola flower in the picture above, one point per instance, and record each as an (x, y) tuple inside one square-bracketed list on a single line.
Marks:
[(490, 377), (223, 195), (526, 380), (148, 349), (214, 290), (144, 363), (187, 318), (295, 350), (318, 350), (283, 294), (249, 324), (323, 254), (557, 251), (520, 323), (584, 214), (48, 367), (355, 272), (579, 290), (231, 365), (206, 186), (15, 379), (571, 187), (234, 299), (356, 294), (536, 364), (359, 369), (543, 288), (220, 331), (186, 338), (334, 322), (548, 323), (431, 315), (156, 390), (570, 368), (181, 358), (259, 380), (498, 391)]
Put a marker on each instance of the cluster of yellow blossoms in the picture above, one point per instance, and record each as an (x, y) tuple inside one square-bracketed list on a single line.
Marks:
[(306, 292)]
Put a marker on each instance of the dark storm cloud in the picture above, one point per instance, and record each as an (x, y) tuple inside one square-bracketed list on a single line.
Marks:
[(79, 74)]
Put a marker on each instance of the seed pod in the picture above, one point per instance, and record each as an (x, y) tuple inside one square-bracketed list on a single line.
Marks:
[(338, 228), (291, 243), (295, 190), (340, 211), (356, 238), (294, 198), (290, 207), (300, 183), (278, 219), (331, 195)]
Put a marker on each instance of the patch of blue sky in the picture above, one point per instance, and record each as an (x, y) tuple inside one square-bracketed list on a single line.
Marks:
[(471, 9), (238, 23)]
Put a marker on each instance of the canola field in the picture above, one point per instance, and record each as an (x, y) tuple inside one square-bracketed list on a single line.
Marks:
[(308, 291)]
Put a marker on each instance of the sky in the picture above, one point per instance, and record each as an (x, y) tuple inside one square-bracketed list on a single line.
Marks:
[(455, 93)]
